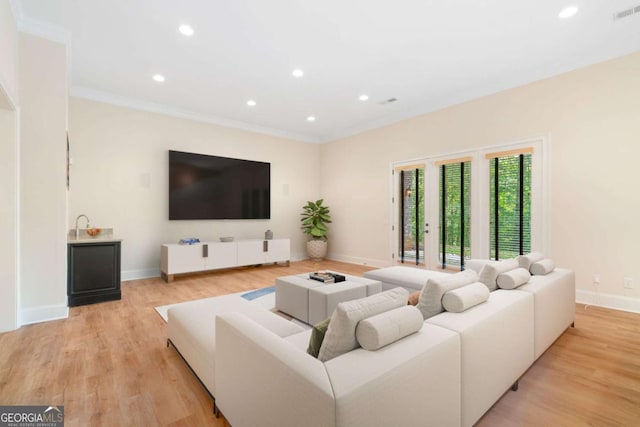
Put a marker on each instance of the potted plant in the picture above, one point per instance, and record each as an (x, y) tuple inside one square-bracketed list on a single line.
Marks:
[(315, 216)]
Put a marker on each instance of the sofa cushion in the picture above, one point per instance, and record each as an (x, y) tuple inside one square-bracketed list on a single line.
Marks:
[(430, 302), (385, 328), (341, 334), (465, 297), (542, 267), (317, 337), (491, 270), (476, 264), (525, 261), (514, 278), (410, 278)]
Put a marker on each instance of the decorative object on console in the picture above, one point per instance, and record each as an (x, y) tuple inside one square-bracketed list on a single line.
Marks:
[(315, 216), (189, 241), (268, 235), (227, 239)]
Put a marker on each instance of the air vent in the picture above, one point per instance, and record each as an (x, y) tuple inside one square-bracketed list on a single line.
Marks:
[(388, 101), (625, 13)]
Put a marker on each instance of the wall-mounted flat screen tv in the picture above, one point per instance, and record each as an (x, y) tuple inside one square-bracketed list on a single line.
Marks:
[(212, 187)]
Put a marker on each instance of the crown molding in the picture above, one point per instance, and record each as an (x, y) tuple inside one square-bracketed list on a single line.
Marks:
[(136, 104), (38, 28)]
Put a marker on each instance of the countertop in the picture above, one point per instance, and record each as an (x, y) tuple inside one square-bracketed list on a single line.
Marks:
[(105, 236), (97, 239)]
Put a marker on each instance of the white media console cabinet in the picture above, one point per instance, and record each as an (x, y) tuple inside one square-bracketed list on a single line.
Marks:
[(179, 259)]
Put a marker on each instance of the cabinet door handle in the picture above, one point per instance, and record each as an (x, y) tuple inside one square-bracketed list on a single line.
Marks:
[(265, 246), (205, 251)]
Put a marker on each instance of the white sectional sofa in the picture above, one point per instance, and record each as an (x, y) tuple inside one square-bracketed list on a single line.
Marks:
[(447, 374)]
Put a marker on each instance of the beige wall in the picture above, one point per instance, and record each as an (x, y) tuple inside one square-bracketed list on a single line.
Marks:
[(8, 169), (591, 118), (116, 151), (43, 106), (8, 221), (8, 54)]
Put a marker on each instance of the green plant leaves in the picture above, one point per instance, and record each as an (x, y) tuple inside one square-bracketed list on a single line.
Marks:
[(314, 218)]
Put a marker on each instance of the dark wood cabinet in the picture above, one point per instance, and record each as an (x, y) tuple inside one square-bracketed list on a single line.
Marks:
[(93, 273)]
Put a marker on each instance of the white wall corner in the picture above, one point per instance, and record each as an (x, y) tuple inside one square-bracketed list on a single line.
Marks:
[(43, 313), (616, 302)]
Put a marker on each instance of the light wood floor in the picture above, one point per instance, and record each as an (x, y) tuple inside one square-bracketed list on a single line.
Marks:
[(108, 363)]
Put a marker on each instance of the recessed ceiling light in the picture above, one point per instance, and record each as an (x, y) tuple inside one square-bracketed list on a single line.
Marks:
[(186, 30), (311, 119), (568, 12), (251, 103), (364, 97), (297, 72), (158, 77)]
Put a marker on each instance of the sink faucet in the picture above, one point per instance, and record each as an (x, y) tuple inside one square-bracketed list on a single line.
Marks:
[(77, 219)]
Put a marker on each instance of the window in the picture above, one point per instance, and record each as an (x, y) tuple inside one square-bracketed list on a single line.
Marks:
[(510, 203), (454, 212)]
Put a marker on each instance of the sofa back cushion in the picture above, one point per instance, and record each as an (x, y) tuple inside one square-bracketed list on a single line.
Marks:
[(465, 297), (341, 334), (385, 328), (430, 302), (542, 267), (491, 270), (525, 261), (513, 279)]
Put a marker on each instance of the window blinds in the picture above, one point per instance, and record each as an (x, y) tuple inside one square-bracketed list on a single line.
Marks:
[(455, 212), (510, 203)]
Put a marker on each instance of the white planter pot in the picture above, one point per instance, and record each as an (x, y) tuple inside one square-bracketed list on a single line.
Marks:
[(317, 249)]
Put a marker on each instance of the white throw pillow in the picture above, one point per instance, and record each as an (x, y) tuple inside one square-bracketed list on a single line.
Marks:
[(341, 334), (465, 297), (543, 267), (385, 328), (514, 278), (430, 302), (490, 272), (525, 261)]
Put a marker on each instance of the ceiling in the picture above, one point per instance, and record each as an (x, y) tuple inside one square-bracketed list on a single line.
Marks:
[(427, 54)]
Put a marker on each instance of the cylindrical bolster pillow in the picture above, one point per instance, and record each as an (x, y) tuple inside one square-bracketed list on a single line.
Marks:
[(465, 297), (525, 261), (543, 267), (377, 331), (514, 278)]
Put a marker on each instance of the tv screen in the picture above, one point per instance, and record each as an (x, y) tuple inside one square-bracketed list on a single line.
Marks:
[(212, 187)]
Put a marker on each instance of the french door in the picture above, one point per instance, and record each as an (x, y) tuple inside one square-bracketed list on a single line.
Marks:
[(432, 213), (410, 219)]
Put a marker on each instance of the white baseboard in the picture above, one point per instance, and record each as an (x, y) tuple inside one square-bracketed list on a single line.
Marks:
[(361, 261), (616, 302), (43, 314), (147, 273)]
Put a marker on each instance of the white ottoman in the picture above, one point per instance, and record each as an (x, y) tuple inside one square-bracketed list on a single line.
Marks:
[(293, 295), (324, 299)]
